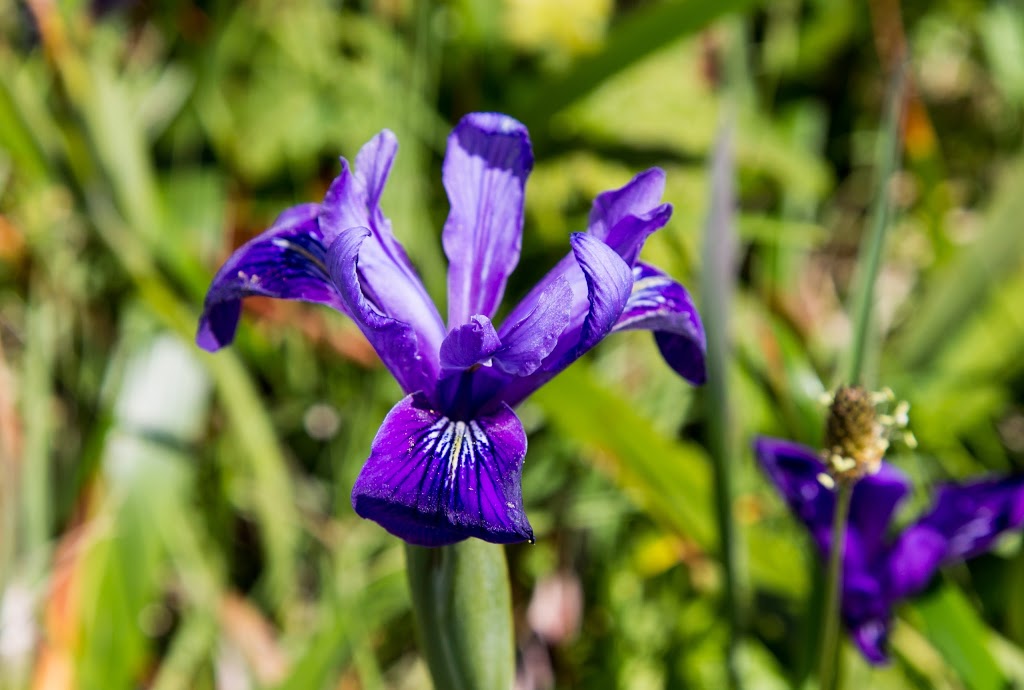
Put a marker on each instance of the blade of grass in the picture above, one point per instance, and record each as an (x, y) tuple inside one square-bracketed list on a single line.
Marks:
[(954, 628), (37, 387), (869, 259), (668, 478), (953, 293), (718, 279)]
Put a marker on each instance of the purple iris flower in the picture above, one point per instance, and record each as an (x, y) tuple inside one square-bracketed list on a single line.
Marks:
[(880, 569), (446, 463)]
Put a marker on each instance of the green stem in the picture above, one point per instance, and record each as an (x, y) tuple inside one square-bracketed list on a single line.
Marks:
[(870, 258), (868, 264), (463, 610), (833, 589)]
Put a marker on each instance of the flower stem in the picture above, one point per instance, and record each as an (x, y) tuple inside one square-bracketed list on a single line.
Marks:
[(463, 610), (870, 259), (833, 588), (868, 265)]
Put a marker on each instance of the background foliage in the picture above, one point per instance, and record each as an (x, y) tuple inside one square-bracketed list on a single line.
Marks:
[(177, 520)]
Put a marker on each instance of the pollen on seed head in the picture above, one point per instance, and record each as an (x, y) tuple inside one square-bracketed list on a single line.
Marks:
[(857, 431)]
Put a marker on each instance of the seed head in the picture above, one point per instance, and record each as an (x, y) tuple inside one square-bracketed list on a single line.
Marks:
[(855, 437)]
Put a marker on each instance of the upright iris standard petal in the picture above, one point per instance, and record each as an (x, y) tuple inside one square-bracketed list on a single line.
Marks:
[(395, 341), (634, 209), (389, 280), (288, 261), (621, 220), (875, 500), (432, 480), (660, 304), (485, 171)]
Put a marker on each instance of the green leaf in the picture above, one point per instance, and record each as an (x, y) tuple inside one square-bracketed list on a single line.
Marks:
[(670, 479), (640, 34), (955, 291), (954, 628)]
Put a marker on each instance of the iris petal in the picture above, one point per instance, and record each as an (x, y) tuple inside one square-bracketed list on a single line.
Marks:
[(965, 521), (395, 341), (660, 304), (794, 469), (388, 277), (485, 170), (288, 261), (914, 559), (973, 516), (526, 343), (608, 280), (872, 637), (432, 480), (624, 218), (469, 344)]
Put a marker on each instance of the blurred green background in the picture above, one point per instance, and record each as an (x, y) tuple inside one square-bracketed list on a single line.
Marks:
[(172, 519)]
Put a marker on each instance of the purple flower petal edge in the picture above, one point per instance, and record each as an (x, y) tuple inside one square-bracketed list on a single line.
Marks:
[(660, 304), (287, 261)]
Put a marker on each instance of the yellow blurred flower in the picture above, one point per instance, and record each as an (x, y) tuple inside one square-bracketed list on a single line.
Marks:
[(570, 26)]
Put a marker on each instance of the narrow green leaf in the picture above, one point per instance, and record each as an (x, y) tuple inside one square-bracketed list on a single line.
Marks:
[(718, 285), (954, 628), (869, 260), (954, 292), (37, 412), (670, 479)]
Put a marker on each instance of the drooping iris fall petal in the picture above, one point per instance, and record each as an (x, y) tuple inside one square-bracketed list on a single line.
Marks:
[(287, 261), (432, 480)]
